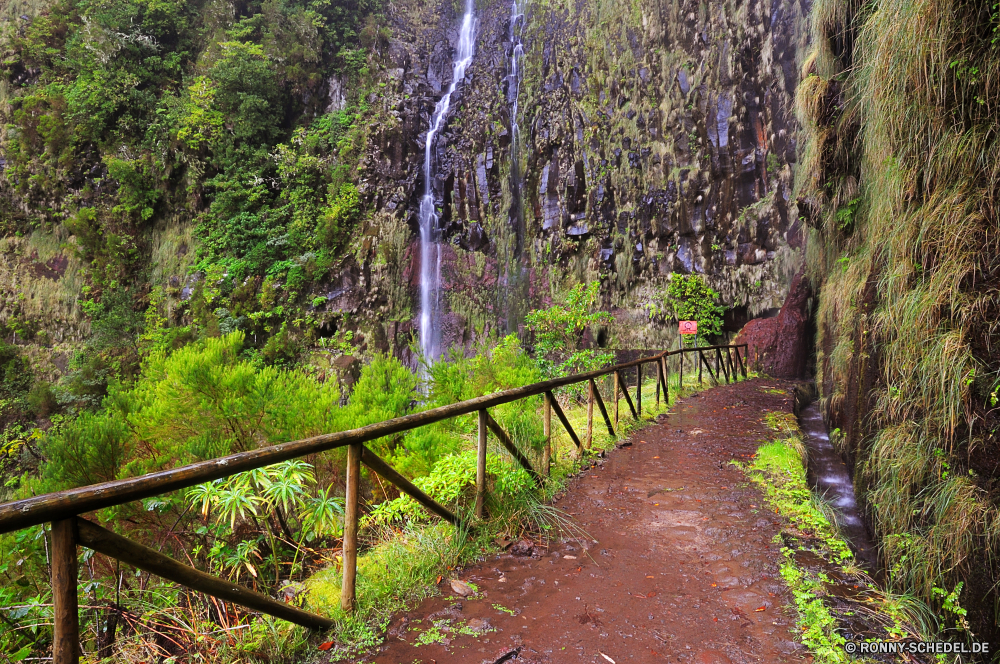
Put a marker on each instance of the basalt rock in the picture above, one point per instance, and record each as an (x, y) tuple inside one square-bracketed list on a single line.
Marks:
[(779, 346), (661, 141)]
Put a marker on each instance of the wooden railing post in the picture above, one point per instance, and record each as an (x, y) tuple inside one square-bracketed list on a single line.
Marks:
[(590, 414), (657, 385), (600, 404), (547, 432), (481, 464), (66, 637), (680, 372), (616, 398), (720, 366), (638, 391), (665, 376), (348, 595)]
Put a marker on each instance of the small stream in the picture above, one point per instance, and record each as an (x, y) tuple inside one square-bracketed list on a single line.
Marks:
[(829, 476)]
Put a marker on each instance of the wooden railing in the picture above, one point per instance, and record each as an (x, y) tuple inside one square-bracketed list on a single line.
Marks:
[(69, 530)]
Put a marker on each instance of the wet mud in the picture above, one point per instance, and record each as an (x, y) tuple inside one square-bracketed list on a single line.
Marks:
[(681, 564)]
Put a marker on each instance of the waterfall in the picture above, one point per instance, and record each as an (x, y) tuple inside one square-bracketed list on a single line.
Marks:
[(513, 94), (430, 247), (514, 284)]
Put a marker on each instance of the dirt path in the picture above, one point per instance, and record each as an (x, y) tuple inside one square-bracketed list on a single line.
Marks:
[(684, 568)]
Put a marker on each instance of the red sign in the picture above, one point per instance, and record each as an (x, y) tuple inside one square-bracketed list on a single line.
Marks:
[(688, 327)]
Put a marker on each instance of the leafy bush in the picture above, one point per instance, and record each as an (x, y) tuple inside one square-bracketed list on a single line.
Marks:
[(559, 332), (453, 482), (690, 298), (199, 402), (15, 382), (282, 491)]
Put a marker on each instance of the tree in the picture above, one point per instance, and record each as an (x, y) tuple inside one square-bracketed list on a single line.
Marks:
[(690, 298), (559, 332)]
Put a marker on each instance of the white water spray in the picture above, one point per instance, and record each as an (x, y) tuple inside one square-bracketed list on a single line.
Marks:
[(513, 94), (430, 247)]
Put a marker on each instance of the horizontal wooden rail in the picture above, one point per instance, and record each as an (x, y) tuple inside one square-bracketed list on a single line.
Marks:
[(63, 508), (65, 504), (132, 553)]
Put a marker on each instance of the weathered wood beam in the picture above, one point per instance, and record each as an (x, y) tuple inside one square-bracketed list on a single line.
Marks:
[(387, 472), (349, 552), (65, 602), (601, 407), (480, 507), (565, 422), (628, 399), (508, 444), (132, 553)]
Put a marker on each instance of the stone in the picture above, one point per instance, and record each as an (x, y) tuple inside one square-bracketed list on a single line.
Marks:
[(779, 346)]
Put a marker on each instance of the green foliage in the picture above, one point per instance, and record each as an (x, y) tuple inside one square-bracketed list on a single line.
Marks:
[(199, 402), (773, 164), (15, 383), (247, 92), (391, 575), (559, 332), (452, 482), (284, 490), (778, 469), (950, 607), (341, 213), (817, 626), (139, 110), (201, 122), (845, 215), (690, 298)]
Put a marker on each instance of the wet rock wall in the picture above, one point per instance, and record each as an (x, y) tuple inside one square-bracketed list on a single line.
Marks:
[(659, 137)]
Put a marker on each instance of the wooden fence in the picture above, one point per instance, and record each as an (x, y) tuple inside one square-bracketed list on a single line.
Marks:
[(69, 530)]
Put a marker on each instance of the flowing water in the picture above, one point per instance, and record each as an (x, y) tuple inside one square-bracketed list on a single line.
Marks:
[(430, 246), (831, 479), (513, 93)]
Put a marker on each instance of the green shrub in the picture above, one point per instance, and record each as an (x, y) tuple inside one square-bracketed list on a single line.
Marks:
[(690, 298), (559, 332), (200, 402)]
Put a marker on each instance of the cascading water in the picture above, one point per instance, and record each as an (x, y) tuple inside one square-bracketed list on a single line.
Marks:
[(513, 93), (430, 247), (830, 477)]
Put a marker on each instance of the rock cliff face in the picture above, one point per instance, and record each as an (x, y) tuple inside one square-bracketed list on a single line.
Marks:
[(657, 136), (654, 137)]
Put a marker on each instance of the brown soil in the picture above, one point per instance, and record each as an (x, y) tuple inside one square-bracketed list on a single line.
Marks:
[(683, 569)]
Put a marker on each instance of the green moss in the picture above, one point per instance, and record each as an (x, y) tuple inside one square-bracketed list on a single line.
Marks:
[(394, 573)]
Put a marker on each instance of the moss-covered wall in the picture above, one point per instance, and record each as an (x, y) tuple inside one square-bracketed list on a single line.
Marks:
[(899, 184), (658, 137)]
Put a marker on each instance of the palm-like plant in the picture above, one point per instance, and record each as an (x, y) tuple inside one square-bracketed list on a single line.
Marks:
[(284, 484), (281, 488), (322, 515)]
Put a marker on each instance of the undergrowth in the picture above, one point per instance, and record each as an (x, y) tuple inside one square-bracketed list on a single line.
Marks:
[(778, 469), (900, 187)]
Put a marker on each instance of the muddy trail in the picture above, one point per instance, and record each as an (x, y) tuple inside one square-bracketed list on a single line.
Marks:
[(683, 569)]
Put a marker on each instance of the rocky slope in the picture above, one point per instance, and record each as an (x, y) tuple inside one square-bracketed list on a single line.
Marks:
[(657, 138)]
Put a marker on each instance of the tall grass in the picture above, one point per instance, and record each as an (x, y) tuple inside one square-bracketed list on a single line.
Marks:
[(909, 278)]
